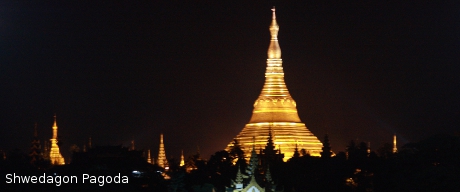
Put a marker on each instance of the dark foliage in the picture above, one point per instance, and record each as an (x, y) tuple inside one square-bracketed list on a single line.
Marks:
[(432, 164)]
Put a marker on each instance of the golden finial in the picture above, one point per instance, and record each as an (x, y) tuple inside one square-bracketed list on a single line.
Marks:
[(274, 50)]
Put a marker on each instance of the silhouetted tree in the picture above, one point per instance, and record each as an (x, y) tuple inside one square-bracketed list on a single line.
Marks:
[(221, 169), (236, 151)]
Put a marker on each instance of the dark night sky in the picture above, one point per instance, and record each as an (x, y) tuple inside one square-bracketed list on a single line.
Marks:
[(121, 71)]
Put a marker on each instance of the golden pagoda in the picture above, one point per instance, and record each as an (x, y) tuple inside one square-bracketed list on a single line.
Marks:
[(149, 159), (162, 161), (182, 162), (276, 110), (395, 147), (55, 156)]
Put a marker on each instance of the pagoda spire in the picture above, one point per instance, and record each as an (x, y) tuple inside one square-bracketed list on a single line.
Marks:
[(182, 162), (149, 159), (55, 127), (395, 148), (274, 50), (162, 162), (275, 87), (55, 156)]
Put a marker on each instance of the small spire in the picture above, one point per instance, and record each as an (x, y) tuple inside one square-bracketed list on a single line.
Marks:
[(162, 161), (395, 147), (55, 127), (55, 122), (149, 159), (182, 162), (239, 176)]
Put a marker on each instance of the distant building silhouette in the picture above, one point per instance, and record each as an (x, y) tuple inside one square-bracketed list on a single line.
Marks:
[(35, 153)]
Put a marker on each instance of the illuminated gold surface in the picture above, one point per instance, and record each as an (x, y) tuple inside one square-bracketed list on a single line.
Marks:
[(55, 156), (276, 109)]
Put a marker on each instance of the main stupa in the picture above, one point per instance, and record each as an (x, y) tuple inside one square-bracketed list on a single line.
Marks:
[(275, 110)]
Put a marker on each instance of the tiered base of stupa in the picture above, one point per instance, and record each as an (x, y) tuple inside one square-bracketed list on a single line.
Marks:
[(286, 135)]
